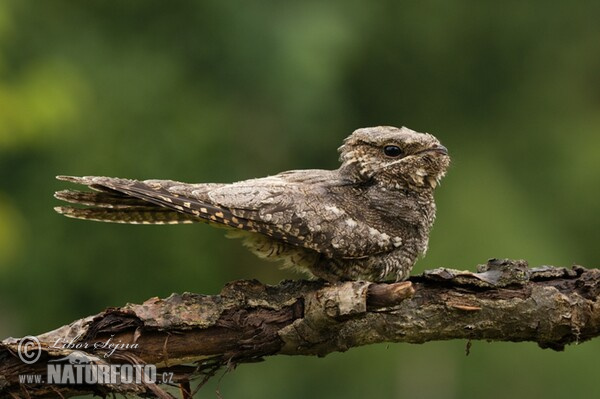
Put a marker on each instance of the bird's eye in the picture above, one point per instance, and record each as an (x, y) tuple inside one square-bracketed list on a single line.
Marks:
[(392, 151)]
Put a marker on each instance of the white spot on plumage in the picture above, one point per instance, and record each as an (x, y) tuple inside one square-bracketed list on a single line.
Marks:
[(334, 209), (351, 222)]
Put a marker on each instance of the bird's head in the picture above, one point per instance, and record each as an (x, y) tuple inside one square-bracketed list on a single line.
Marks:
[(395, 157)]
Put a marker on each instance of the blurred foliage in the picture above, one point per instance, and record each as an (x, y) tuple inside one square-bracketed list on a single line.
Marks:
[(224, 91)]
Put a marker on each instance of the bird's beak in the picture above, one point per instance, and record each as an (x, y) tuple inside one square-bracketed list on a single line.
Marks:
[(438, 148), (441, 149)]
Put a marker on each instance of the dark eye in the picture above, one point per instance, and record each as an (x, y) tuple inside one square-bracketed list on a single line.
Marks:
[(392, 151)]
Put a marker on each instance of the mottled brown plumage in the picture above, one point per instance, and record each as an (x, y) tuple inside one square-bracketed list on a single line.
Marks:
[(370, 219)]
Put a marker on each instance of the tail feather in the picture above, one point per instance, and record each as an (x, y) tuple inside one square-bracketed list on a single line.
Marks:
[(102, 199), (145, 202), (131, 215), (106, 204), (135, 202)]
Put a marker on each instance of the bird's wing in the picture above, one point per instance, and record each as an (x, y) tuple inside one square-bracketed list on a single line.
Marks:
[(297, 207), (283, 207)]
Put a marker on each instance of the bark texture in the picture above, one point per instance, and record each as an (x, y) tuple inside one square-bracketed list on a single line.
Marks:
[(191, 336)]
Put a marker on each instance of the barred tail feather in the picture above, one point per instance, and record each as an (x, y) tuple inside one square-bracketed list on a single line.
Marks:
[(144, 202), (131, 215), (100, 199), (109, 205), (138, 202)]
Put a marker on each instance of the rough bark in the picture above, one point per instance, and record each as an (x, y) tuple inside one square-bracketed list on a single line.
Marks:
[(193, 335)]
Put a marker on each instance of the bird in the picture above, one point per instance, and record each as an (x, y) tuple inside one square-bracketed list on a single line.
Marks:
[(368, 220)]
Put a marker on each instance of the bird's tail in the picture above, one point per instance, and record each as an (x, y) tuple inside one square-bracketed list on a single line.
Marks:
[(107, 205), (146, 202)]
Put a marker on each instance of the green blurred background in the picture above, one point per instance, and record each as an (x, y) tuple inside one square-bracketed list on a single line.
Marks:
[(228, 90)]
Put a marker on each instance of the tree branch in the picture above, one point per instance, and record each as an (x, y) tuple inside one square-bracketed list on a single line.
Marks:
[(192, 335)]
